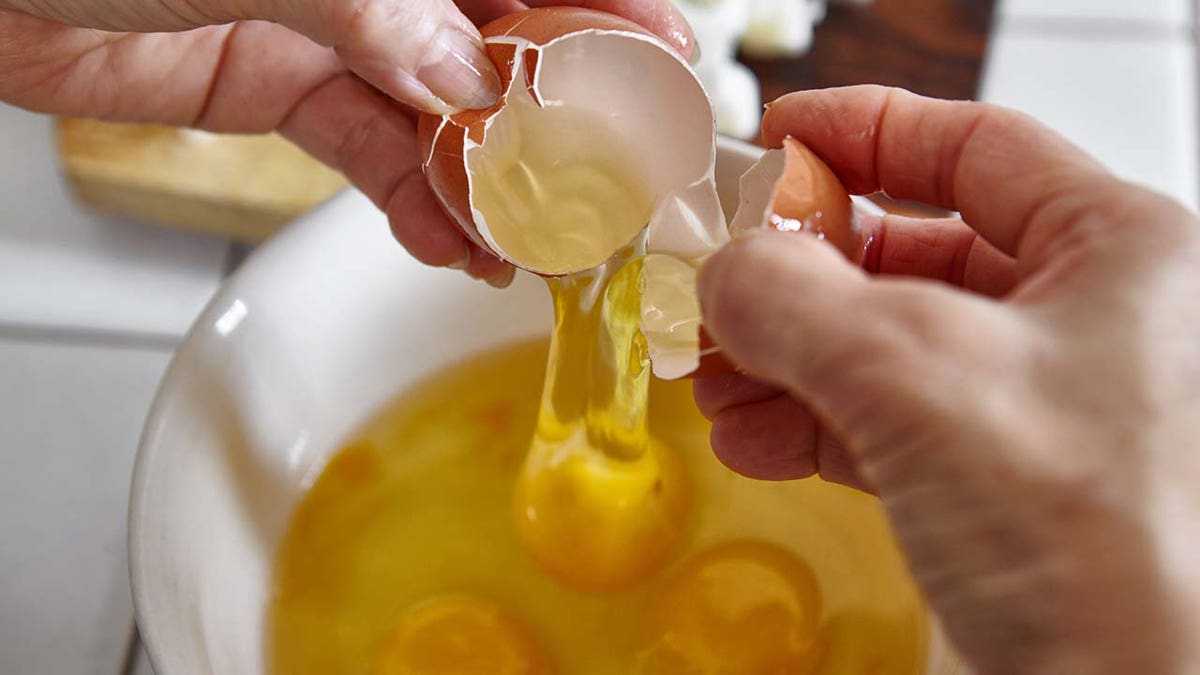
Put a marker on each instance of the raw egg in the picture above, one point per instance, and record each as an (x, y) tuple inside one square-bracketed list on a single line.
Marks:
[(599, 523), (738, 608), (461, 635)]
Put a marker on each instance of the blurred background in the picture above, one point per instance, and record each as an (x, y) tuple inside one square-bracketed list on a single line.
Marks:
[(112, 239)]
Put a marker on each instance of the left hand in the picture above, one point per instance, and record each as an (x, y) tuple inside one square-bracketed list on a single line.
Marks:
[(340, 78)]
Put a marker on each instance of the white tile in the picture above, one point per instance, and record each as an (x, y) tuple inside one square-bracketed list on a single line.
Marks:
[(1171, 11), (63, 266), (1131, 104), (68, 434)]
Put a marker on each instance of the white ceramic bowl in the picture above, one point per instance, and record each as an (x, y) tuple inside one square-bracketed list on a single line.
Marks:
[(321, 327)]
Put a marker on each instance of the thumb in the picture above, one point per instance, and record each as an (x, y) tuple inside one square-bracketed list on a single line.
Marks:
[(871, 357), (425, 53)]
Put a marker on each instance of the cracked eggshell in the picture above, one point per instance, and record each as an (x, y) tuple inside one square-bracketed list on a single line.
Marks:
[(789, 189), (608, 69)]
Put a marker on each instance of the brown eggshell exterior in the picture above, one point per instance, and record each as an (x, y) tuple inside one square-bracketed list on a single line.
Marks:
[(806, 187), (445, 166)]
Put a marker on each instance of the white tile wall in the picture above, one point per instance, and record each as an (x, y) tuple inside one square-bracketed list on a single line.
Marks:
[(71, 420), (1173, 11), (1129, 101), (63, 266)]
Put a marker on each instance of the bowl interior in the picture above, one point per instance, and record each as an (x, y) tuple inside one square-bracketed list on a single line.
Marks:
[(321, 327)]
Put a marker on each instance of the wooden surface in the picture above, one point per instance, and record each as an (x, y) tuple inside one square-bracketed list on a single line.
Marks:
[(243, 187), (933, 47)]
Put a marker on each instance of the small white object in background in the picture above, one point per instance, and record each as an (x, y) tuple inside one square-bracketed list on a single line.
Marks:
[(763, 28)]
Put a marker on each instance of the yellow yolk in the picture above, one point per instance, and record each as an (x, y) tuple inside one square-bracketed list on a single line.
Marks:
[(598, 523), (599, 504), (418, 505), (739, 608), (460, 635)]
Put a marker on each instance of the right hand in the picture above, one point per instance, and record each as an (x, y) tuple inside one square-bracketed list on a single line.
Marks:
[(1021, 386)]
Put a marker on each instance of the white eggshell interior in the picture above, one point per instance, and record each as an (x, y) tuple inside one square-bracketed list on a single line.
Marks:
[(640, 87), (635, 89), (671, 316), (756, 192)]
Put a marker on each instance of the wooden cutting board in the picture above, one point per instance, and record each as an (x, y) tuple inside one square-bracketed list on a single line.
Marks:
[(931, 47), (246, 187)]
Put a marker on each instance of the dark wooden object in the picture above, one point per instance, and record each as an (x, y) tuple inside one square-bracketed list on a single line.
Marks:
[(933, 47)]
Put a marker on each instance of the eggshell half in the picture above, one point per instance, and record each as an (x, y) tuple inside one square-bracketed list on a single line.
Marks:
[(789, 189), (615, 73)]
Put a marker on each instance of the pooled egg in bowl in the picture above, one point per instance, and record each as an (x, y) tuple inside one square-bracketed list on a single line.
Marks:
[(282, 392), (322, 327)]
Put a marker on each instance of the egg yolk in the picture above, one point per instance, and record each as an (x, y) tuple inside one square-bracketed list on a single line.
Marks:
[(460, 635), (739, 608), (599, 523), (599, 503)]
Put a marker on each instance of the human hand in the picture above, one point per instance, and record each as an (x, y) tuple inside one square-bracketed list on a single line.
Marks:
[(337, 77), (1020, 387)]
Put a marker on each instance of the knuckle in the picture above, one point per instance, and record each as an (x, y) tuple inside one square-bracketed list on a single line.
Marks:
[(363, 22), (355, 141)]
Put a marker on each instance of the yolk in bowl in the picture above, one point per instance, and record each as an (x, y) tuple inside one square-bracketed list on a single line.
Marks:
[(418, 505), (740, 607), (460, 635)]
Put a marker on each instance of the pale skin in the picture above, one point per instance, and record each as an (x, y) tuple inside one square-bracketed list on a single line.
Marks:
[(340, 78), (1021, 387)]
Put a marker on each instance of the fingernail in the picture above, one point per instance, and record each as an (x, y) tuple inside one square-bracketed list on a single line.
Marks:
[(459, 72), (503, 279)]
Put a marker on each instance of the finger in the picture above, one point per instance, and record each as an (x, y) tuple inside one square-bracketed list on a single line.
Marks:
[(772, 439), (660, 17), (421, 226), (116, 15), (422, 52), (779, 439), (762, 298), (1015, 181), (862, 352), (368, 137), (728, 390), (487, 267), (936, 248)]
